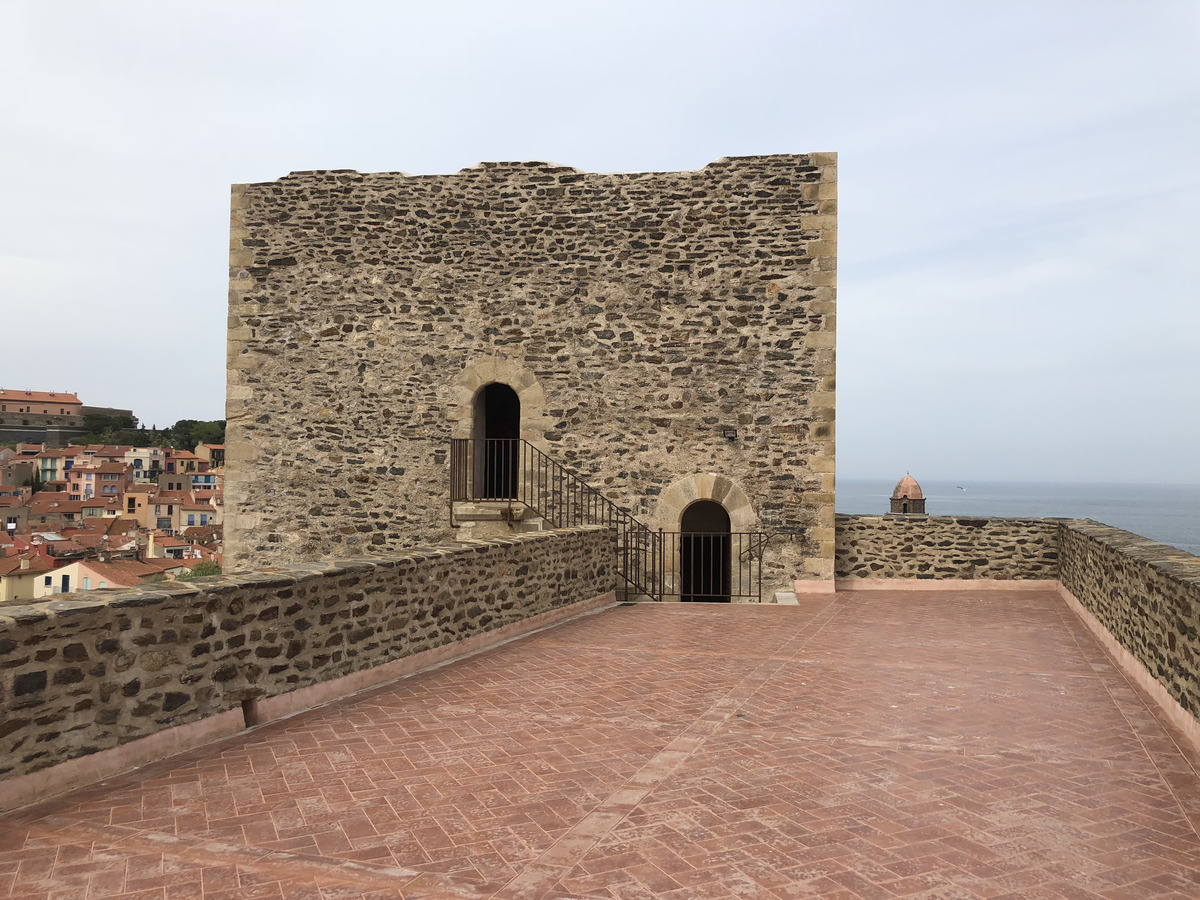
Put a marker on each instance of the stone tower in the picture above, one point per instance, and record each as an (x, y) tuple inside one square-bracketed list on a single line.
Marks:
[(907, 498), (668, 336)]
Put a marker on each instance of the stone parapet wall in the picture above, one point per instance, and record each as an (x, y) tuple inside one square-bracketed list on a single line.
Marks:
[(1147, 596), (52, 430), (939, 547), (88, 672)]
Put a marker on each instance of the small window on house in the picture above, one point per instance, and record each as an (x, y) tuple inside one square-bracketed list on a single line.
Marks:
[(48, 581), (87, 583), (203, 519), (103, 585), (191, 519)]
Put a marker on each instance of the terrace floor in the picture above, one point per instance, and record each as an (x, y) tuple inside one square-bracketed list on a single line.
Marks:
[(967, 744)]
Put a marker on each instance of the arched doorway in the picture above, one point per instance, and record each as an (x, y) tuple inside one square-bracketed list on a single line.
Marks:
[(497, 429), (704, 565)]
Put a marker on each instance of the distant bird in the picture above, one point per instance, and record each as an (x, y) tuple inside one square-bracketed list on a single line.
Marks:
[(960, 487)]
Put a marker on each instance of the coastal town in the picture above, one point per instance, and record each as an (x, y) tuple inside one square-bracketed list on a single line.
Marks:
[(79, 516)]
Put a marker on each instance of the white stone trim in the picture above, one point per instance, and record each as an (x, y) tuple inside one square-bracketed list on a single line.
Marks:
[(681, 494), (497, 370)]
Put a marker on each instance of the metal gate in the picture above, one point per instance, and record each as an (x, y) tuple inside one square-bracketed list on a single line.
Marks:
[(721, 567), (710, 568)]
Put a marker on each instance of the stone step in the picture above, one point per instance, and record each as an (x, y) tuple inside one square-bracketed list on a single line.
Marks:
[(534, 523), (491, 511)]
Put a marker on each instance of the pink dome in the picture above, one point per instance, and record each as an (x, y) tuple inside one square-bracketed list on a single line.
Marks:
[(907, 489)]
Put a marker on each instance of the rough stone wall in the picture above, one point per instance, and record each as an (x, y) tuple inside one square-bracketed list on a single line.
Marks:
[(52, 430), (946, 547), (637, 316), (1146, 594), (87, 672)]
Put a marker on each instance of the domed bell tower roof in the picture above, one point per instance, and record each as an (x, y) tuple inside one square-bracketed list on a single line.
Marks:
[(907, 489)]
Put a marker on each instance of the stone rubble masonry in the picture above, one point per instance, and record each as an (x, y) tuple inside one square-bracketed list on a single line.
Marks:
[(935, 547), (637, 316), (89, 672), (1145, 594)]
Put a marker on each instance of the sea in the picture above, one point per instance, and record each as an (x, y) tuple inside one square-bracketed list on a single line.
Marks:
[(1168, 513)]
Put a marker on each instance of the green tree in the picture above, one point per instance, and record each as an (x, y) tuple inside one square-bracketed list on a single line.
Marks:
[(97, 423), (201, 570), (209, 432)]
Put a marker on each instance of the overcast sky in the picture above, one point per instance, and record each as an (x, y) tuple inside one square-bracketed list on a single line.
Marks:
[(1019, 188)]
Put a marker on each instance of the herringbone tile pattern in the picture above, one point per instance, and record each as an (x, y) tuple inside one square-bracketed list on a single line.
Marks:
[(921, 745)]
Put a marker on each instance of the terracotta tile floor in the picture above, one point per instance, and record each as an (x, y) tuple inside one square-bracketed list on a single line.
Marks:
[(971, 744)]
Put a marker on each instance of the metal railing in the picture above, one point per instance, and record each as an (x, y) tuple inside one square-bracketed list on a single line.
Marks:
[(657, 564), (712, 568)]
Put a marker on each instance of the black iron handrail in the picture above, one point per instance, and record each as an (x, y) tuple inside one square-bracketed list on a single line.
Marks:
[(516, 473)]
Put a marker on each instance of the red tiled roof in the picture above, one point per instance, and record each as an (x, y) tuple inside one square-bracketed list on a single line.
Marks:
[(10, 396), (122, 572), (164, 565), (54, 503), (85, 540), (907, 489), (202, 533), (11, 565), (108, 502), (120, 467)]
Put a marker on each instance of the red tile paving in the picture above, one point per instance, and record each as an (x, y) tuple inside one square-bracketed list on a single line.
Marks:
[(947, 745)]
